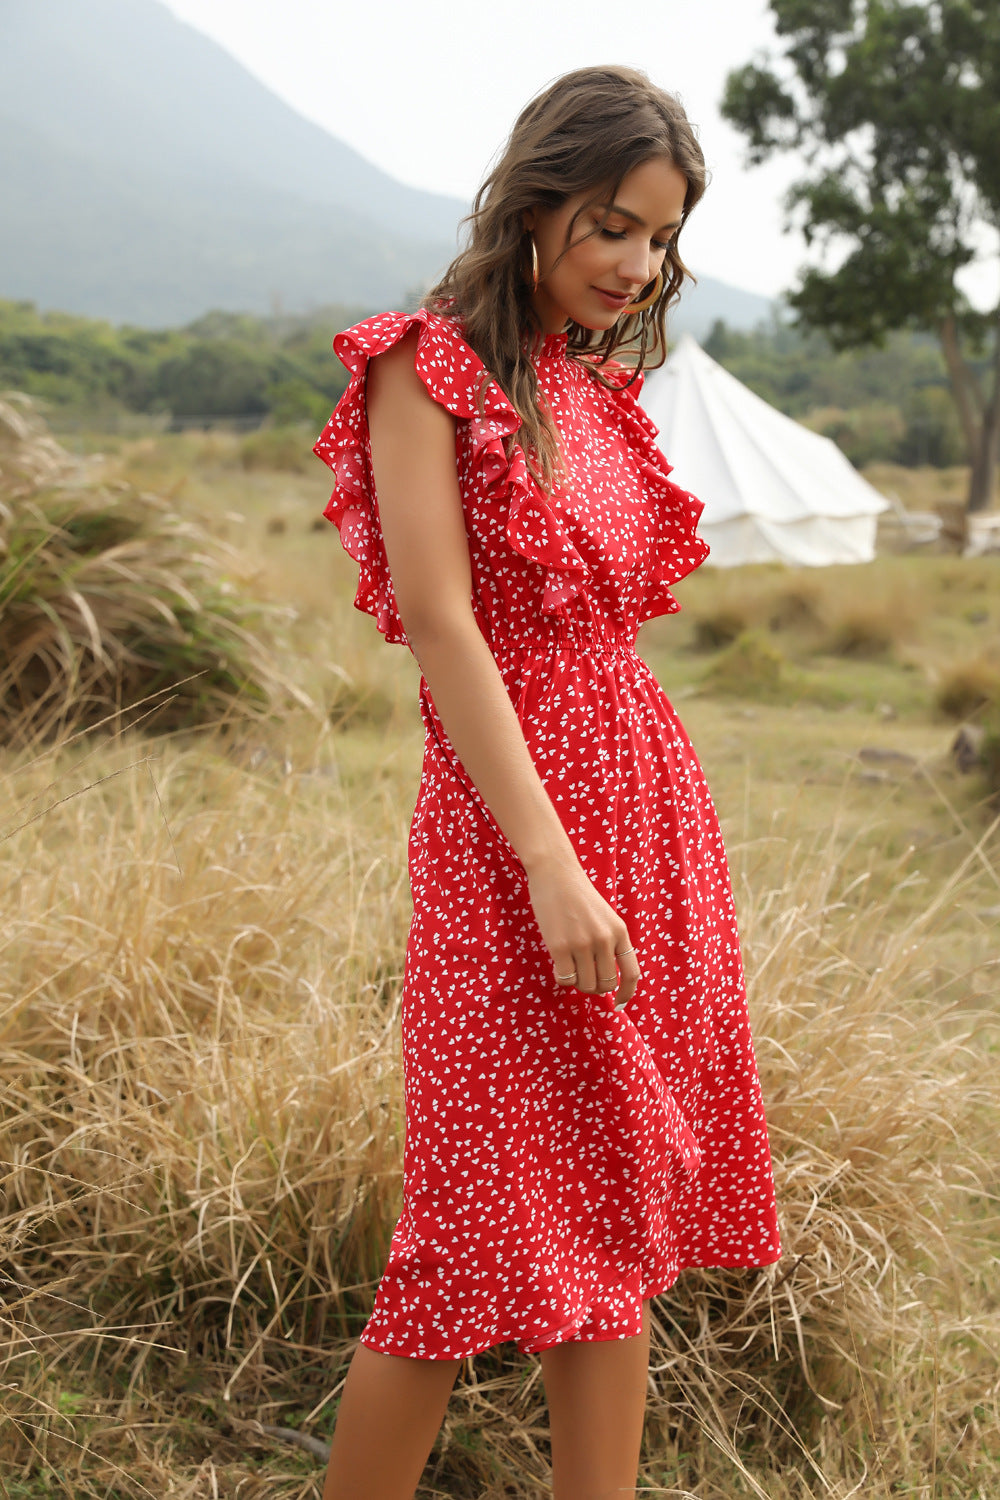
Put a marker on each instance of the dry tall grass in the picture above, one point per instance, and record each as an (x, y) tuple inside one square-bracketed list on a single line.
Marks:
[(107, 596), (201, 1120), (832, 611), (201, 1111), (968, 688), (201, 1132)]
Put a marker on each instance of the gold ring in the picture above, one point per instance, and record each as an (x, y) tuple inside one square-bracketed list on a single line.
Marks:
[(566, 978), (624, 953), (605, 985)]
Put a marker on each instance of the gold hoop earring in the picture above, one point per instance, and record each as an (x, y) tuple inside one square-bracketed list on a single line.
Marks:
[(654, 296), (535, 274)]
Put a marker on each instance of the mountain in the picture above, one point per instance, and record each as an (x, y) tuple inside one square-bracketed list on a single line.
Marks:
[(127, 84), (146, 176), (708, 300), (110, 242)]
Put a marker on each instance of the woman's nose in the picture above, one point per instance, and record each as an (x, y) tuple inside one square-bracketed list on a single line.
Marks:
[(638, 265)]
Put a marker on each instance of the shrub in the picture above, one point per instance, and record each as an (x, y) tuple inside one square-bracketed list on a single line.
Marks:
[(750, 668), (933, 433), (108, 597), (719, 626), (215, 378), (969, 687), (769, 597), (796, 605), (296, 400), (288, 449), (867, 631), (864, 434)]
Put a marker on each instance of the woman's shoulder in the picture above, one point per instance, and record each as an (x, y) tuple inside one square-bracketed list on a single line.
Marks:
[(375, 335), (451, 370)]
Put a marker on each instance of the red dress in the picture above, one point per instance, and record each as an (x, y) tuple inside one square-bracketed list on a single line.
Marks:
[(563, 1160)]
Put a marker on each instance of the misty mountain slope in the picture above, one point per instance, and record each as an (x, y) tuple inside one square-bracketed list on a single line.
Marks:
[(145, 176), (98, 240), (708, 300), (130, 85)]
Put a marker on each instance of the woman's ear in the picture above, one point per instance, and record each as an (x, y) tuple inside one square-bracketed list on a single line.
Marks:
[(528, 220)]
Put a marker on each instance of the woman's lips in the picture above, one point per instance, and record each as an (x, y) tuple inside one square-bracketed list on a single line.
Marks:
[(617, 300)]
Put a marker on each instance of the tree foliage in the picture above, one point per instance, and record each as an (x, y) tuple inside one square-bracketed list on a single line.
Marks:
[(886, 403), (222, 365), (228, 365), (895, 105)]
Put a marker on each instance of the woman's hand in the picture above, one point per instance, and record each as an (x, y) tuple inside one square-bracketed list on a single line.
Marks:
[(588, 941)]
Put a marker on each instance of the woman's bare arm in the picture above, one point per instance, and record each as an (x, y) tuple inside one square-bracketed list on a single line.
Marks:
[(413, 456)]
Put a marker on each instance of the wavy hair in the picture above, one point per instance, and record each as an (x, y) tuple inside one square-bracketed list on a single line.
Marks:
[(581, 136)]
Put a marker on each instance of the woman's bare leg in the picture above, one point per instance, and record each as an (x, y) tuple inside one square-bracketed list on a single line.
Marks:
[(390, 1413), (597, 1402)]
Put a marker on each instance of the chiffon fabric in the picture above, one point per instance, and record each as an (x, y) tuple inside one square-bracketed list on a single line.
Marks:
[(563, 1160)]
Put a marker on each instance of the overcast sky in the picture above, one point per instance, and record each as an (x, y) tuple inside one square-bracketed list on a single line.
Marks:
[(429, 91)]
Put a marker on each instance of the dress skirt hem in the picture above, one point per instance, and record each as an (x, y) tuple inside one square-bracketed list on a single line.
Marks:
[(538, 1343)]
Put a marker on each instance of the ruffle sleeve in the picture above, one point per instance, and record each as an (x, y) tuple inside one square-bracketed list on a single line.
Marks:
[(457, 379), (678, 547)]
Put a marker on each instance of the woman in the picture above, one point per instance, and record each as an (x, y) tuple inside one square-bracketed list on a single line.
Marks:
[(583, 1114)]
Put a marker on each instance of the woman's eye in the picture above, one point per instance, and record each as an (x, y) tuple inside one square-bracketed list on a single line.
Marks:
[(621, 234)]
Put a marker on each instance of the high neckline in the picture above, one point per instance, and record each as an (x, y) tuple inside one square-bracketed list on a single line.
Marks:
[(551, 346)]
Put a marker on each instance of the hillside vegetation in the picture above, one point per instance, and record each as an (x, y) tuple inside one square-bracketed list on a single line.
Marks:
[(890, 405), (222, 365)]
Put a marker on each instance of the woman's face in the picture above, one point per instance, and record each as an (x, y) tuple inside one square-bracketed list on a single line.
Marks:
[(593, 279)]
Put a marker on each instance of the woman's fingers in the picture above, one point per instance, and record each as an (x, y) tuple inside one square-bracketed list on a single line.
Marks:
[(586, 971), (578, 972), (609, 967), (629, 974), (622, 987)]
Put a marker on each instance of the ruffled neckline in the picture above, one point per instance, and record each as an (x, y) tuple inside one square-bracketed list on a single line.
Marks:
[(535, 527)]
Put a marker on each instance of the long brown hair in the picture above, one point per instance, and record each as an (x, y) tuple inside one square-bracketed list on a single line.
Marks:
[(581, 135)]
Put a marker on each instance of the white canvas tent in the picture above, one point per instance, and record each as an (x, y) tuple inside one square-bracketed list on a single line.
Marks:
[(771, 488)]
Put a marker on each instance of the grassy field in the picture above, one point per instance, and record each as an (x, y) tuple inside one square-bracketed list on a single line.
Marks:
[(201, 1126)]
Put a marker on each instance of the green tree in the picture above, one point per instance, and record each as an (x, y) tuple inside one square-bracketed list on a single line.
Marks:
[(223, 365), (895, 105), (215, 378)]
